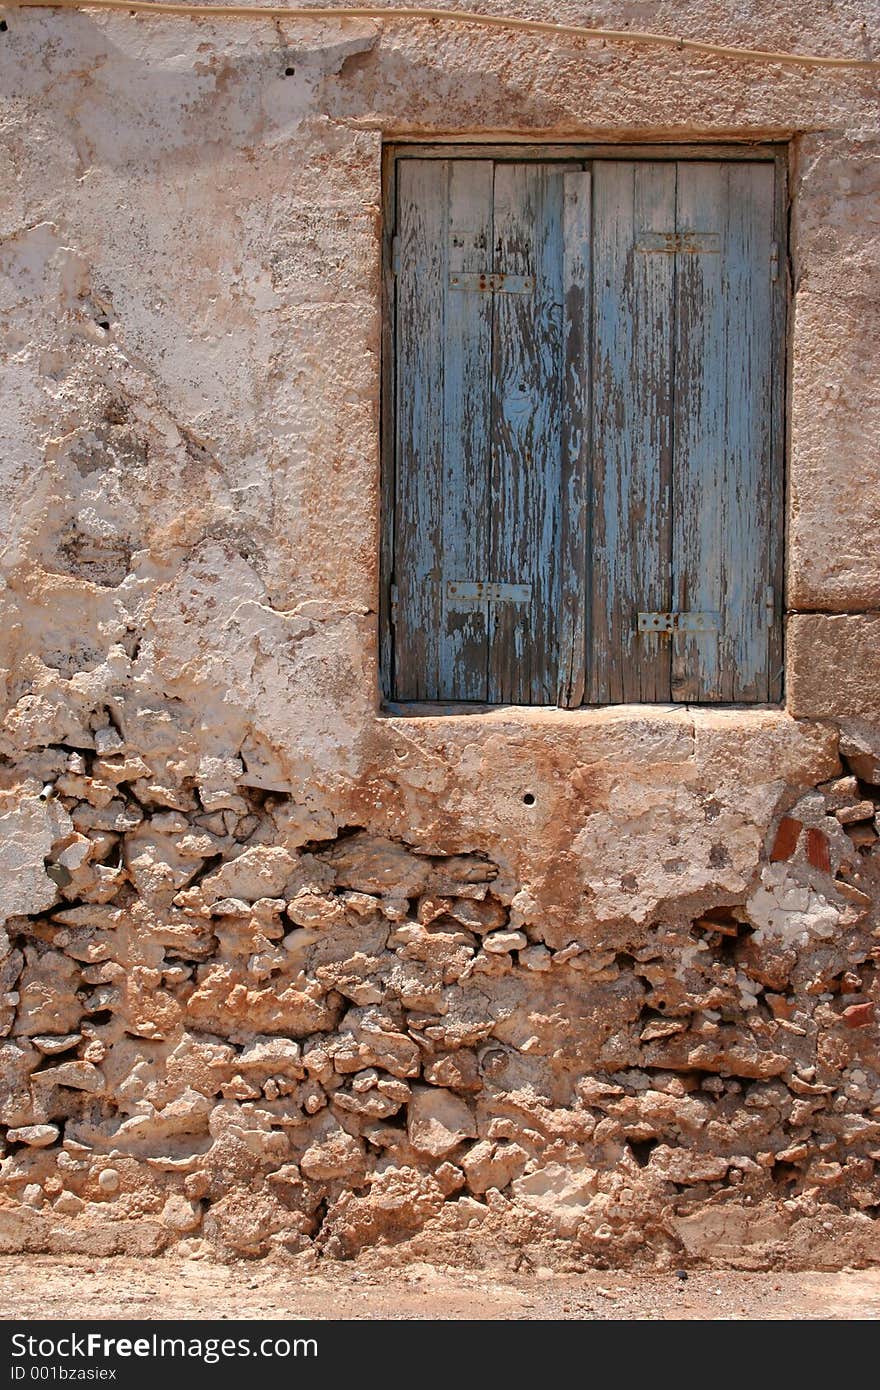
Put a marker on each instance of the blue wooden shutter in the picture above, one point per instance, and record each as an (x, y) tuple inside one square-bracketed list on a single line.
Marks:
[(587, 406), (479, 387), (722, 548), (684, 541), (632, 430), (443, 344)]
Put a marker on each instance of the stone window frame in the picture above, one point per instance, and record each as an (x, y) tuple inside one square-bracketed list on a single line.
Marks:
[(449, 146)]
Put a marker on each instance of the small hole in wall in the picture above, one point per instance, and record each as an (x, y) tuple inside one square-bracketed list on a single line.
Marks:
[(529, 798), (3, 26), (289, 72)]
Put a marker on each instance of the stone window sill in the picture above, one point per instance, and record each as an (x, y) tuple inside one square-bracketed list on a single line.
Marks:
[(740, 717)]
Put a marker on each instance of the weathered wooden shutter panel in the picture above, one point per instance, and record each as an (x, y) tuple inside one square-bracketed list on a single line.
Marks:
[(722, 537), (466, 403), (526, 382), (444, 221), (632, 443), (683, 365), (585, 431), (479, 385), (422, 213)]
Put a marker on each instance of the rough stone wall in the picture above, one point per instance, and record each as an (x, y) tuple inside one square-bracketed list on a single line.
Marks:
[(282, 972)]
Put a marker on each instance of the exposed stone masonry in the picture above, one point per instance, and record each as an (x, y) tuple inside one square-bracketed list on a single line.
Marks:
[(217, 1031)]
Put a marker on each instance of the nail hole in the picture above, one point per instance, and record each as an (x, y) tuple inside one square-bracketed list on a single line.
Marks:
[(3, 26), (288, 72), (529, 799)]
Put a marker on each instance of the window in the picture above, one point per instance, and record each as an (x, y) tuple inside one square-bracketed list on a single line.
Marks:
[(583, 417)]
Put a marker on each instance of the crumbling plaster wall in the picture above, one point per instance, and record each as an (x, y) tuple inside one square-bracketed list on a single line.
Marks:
[(282, 972)]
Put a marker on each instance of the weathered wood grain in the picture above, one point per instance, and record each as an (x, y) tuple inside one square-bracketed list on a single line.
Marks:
[(422, 218), (575, 436), (631, 435), (780, 289), (525, 478), (467, 509), (722, 554)]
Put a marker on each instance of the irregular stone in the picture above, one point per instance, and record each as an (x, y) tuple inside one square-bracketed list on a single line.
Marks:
[(35, 1136), (79, 1076), (560, 1194), (730, 1052), (686, 1167), (68, 1204), (181, 1215), (373, 1105), (860, 745), (275, 1055), (335, 1155), (458, 1070), (47, 993), (536, 958), (500, 942), (370, 864), (27, 833), (493, 1165), (261, 871), (478, 916), (316, 910), (859, 811), (437, 1122)]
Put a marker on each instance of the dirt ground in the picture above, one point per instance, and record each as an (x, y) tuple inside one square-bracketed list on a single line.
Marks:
[(38, 1287)]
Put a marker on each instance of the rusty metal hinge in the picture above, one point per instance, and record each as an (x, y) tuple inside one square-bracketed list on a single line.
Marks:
[(491, 282), (679, 622), (692, 243), (774, 262), (483, 592)]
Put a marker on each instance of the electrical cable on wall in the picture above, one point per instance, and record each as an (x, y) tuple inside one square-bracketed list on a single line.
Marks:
[(469, 17)]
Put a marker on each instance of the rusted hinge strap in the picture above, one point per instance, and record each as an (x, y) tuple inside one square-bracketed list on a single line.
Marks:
[(482, 592), (490, 282), (668, 243), (679, 622)]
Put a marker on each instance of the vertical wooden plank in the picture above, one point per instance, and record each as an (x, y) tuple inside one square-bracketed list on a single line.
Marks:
[(466, 413), (780, 290), (574, 461), (525, 434), (422, 221), (631, 430), (722, 458), (387, 421)]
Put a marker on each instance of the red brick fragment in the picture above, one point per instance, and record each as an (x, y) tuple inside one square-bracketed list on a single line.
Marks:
[(780, 1007), (858, 1015), (818, 850), (787, 835)]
